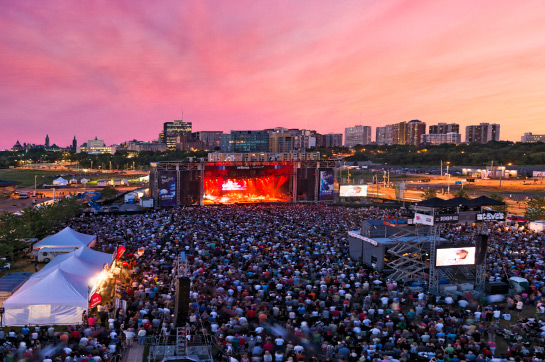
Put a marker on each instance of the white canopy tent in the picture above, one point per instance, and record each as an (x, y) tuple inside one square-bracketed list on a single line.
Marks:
[(65, 238), (84, 262), (59, 293), (60, 182), (57, 298)]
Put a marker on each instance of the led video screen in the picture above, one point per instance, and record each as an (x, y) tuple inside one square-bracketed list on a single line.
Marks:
[(455, 256), (353, 191), (226, 184)]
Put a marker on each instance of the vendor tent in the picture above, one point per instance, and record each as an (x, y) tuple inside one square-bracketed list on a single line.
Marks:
[(60, 182), (57, 298), (67, 237)]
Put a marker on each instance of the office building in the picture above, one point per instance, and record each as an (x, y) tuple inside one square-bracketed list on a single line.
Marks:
[(245, 141), (189, 142), (483, 133), (139, 146), (46, 141), (95, 147), (74, 144), (171, 131), (440, 138), (357, 135), (529, 137), (211, 139), (413, 132)]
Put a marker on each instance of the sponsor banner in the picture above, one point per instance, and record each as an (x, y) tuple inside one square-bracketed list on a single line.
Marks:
[(445, 219), (491, 216), (353, 191), (120, 252), (361, 237), (538, 174), (423, 219), (326, 184), (167, 188), (95, 300)]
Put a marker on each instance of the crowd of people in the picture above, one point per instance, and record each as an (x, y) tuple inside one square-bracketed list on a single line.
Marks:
[(276, 283)]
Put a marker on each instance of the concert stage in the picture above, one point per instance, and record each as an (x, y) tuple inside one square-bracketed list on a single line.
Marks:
[(212, 183)]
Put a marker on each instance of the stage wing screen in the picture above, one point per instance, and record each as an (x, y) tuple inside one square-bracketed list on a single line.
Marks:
[(455, 256), (353, 191)]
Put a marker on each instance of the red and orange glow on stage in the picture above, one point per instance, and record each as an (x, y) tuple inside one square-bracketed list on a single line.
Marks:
[(236, 184)]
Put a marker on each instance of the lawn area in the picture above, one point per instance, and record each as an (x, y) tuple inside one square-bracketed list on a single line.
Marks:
[(26, 177)]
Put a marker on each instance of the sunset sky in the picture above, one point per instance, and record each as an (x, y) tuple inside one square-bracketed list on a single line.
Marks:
[(119, 69)]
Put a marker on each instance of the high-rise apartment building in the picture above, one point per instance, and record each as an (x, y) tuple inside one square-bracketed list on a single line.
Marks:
[(171, 131), (333, 140), (413, 132), (440, 138), (357, 135), (529, 137), (282, 142), (444, 128), (483, 133), (380, 138), (245, 141)]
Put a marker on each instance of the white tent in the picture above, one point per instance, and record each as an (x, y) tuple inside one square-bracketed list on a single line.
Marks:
[(58, 294), (66, 238), (60, 182), (84, 181), (84, 262), (57, 298)]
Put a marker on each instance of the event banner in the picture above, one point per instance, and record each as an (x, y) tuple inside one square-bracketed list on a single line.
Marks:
[(326, 185), (423, 219), (166, 184), (491, 216), (95, 300)]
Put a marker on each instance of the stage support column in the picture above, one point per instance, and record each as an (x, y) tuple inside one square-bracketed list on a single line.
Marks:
[(294, 181), (201, 185), (178, 190), (317, 182)]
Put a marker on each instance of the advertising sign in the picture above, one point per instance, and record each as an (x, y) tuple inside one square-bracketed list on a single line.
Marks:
[(120, 252), (166, 184), (95, 300), (538, 174), (326, 185), (353, 191), (455, 256), (445, 219), (400, 190), (423, 219), (491, 216), (140, 252)]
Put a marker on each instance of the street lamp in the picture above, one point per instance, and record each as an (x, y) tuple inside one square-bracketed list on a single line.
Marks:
[(35, 183)]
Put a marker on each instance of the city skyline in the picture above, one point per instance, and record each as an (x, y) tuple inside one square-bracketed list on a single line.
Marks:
[(119, 70)]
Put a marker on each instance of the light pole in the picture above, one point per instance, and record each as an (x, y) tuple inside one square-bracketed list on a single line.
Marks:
[(35, 184), (448, 180)]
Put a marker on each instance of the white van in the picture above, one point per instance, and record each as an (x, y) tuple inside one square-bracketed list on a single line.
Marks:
[(23, 195), (45, 255)]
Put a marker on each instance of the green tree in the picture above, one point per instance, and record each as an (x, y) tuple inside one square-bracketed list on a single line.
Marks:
[(498, 197), (430, 194), (462, 193), (536, 208)]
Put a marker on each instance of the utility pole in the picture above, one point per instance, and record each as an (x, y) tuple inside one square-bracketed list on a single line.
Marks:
[(441, 169), (35, 183), (501, 173)]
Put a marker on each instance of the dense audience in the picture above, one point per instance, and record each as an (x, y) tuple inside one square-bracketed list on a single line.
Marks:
[(275, 283)]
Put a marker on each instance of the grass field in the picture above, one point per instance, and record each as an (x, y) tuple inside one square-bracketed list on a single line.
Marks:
[(26, 177)]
